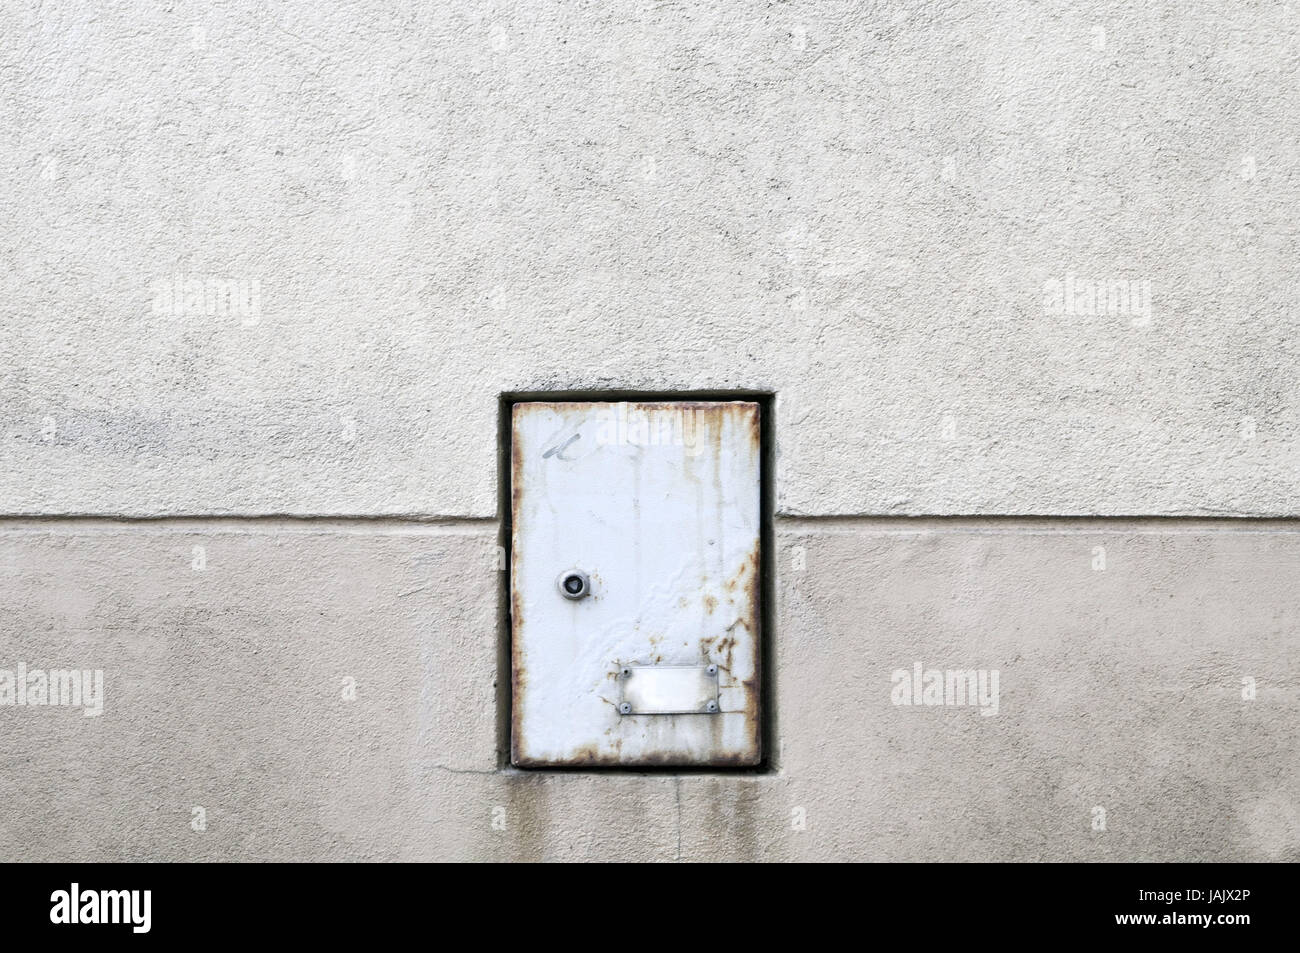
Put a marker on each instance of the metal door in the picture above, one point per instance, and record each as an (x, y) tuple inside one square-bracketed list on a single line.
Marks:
[(634, 583)]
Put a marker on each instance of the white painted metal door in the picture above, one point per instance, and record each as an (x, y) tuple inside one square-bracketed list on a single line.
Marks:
[(635, 583)]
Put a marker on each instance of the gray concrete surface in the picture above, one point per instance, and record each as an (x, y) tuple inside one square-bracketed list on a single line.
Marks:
[(861, 208), (1119, 688), (858, 206)]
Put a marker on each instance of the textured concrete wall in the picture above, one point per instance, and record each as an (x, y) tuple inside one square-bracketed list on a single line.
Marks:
[(894, 216)]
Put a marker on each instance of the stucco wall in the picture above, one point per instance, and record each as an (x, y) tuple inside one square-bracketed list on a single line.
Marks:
[(861, 208)]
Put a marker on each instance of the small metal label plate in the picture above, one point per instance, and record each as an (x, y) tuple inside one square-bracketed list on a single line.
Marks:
[(669, 689)]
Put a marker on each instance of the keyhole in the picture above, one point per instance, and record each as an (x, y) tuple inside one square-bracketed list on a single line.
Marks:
[(574, 584)]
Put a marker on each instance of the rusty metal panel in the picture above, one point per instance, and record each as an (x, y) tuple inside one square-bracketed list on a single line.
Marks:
[(634, 583)]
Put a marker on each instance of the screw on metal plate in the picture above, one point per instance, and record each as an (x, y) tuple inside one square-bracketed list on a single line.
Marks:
[(625, 708), (711, 706), (712, 670), (574, 584)]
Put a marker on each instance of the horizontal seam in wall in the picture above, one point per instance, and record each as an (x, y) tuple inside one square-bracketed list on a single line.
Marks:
[(458, 525), (1037, 524), (374, 525)]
